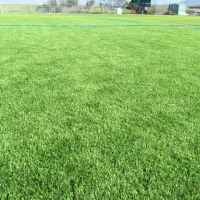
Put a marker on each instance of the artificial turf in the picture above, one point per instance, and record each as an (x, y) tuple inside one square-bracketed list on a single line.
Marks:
[(99, 107)]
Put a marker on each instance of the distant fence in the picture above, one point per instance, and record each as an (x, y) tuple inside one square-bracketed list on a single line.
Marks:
[(97, 9)]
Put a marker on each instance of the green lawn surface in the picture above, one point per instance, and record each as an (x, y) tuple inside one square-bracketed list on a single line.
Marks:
[(99, 107)]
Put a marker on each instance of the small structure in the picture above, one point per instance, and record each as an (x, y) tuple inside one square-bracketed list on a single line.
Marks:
[(173, 8), (182, 9), (177, 9), (118, 11)]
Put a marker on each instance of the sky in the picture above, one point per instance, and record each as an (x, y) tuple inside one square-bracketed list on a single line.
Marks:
[(80, 1)]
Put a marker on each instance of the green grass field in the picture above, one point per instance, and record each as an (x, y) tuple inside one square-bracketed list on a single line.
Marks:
[(99, 107)]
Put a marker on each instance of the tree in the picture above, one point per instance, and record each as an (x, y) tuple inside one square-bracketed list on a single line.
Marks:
[(119, 3), (61, 2), (105, 2), (71, 3), (106, 5), (89, 4), (52, 2)]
